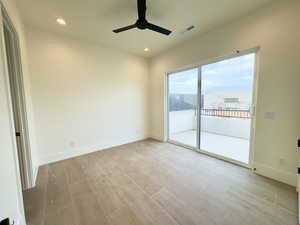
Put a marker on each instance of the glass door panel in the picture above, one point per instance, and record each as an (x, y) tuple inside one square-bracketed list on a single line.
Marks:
[(226, 101), (182, 107)]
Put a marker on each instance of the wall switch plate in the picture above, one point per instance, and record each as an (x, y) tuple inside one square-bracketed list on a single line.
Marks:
[(269, 115), (72, 144)]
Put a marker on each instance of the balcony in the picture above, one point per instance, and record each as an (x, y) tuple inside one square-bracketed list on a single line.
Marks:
[(223, 132)]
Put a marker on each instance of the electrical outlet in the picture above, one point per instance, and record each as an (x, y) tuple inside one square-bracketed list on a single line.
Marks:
[(282, 161), (72, 144)]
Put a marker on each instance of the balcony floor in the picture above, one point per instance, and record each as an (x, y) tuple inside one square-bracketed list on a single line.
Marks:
[(229, 147)]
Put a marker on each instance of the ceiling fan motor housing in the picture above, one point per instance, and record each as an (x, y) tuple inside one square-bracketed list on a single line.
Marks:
[(141, 24)]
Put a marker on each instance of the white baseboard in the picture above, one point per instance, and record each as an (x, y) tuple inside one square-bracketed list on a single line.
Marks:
[(276, 174), (22, 222), (82, 151), (157, 138)]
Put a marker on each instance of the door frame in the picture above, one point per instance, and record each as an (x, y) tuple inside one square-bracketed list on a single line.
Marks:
[(236, 53), (24, 159)]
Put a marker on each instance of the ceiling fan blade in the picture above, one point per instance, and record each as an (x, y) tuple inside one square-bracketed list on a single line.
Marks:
[(124, 28), (141, 4), (158, 29)]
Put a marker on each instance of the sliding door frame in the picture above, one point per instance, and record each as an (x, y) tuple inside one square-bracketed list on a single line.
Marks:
[(236, 53)]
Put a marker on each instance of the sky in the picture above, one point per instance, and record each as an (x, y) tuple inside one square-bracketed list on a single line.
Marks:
[(231, 75)]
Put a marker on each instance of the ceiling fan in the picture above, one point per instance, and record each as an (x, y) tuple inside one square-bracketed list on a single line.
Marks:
[(142, 23)]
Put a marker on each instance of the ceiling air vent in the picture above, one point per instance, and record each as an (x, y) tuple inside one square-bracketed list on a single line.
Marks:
[(187, 29)]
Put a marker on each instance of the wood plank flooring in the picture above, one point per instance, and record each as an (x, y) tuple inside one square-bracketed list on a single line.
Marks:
[(153, 183)]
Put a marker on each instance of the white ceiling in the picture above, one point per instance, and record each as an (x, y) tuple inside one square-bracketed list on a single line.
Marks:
[(94, 20)]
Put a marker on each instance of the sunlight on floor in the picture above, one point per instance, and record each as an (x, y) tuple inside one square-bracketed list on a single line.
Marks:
[(229, 147)]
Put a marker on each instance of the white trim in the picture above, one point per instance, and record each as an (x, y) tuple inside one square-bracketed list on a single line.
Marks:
[(198, 107), (35, 173), (276, 174), (254, 104), (166, 108), (25, 161), (3, 63), (20, 222), (158, 138), (82, 151)]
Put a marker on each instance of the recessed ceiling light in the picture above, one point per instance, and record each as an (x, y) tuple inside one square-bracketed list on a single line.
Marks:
[(61, 21), (146, 49)]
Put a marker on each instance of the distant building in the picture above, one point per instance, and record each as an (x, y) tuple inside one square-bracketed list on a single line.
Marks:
[(178, 102), (232, 103), (227, 100), (235, 100)]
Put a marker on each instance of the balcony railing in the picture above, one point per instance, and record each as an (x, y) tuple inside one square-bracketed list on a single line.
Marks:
[(229, 113)]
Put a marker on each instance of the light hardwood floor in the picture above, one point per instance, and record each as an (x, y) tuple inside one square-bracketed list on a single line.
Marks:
[(153, 183)]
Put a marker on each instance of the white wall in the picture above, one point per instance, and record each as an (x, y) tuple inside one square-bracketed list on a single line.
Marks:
[(10, 186), (234, 127), (86, 97), (276, 30), (185, 120)]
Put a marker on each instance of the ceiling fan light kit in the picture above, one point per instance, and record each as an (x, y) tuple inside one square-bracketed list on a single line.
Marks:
[(142, 23)]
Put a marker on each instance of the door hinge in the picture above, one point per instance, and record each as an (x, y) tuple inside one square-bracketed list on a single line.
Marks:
[(18, 134)]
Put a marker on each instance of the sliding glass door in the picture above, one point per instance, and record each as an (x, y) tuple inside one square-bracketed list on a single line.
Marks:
[(226, 91), (209, 107)]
